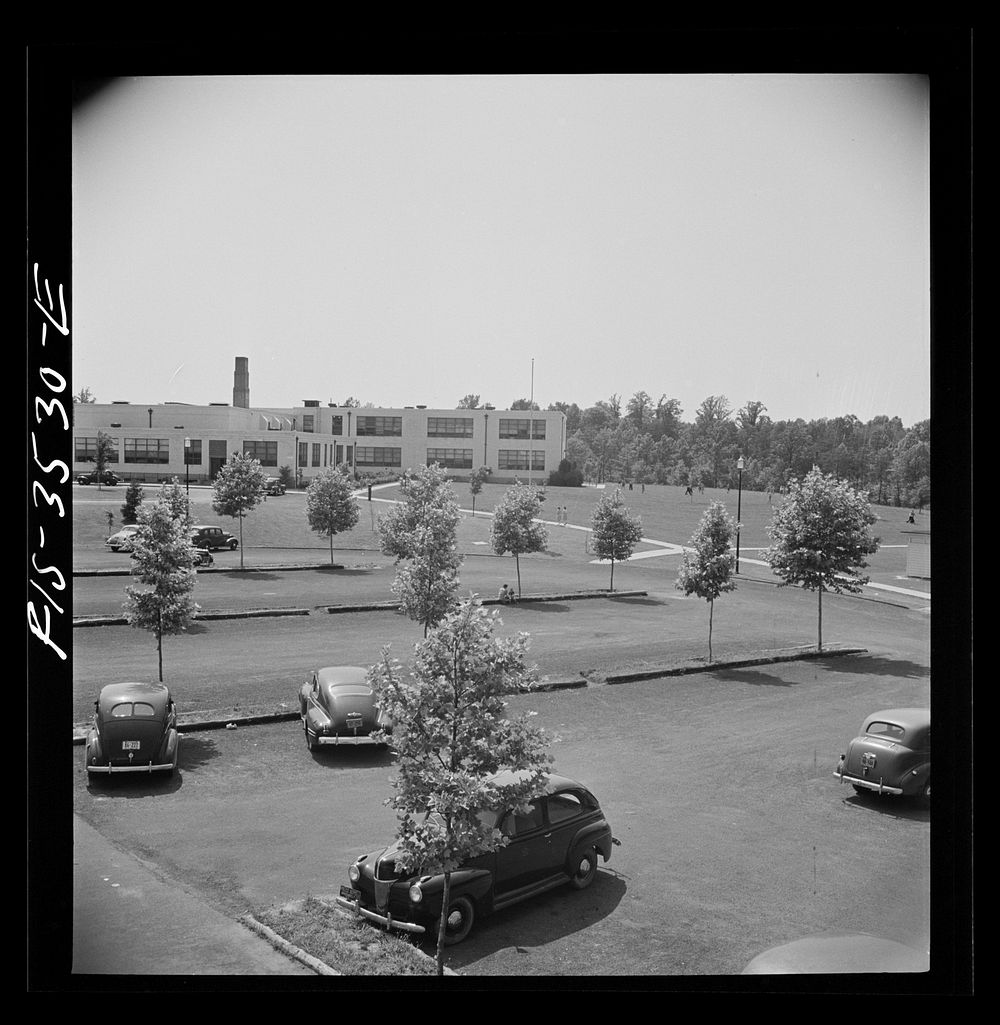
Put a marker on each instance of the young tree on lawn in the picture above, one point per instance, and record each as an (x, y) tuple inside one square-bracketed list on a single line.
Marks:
[(421, 532), (708, 571), (286, 477), (103, 451), (239, 488), (162, 560), (451, 734), (821, 535), (476, 480), (174, 497), (515, 528), (133, 499), (330, 504), (616, 530)]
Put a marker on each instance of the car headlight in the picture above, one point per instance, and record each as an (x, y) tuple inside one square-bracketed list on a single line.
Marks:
[(354, 873), (416, 894)]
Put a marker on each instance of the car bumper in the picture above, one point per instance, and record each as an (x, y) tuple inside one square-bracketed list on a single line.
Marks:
[(115, 769), (878, 787), (335, 740), (386, 921)]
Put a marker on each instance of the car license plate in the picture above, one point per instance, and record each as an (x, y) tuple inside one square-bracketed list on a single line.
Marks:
[(350, 893), (353, 722), (130, 745)]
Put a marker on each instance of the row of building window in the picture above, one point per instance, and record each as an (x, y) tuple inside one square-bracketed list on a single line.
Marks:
[(157, 451), (437, 427)]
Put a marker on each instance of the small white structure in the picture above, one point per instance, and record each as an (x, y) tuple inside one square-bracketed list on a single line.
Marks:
[(918, 553)]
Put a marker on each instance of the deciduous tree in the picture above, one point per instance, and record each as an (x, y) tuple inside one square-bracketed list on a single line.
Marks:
[(331, 507), (162, 561), (469, 402), (451, 734), (421, 532), (515, 528), (821, 535), (707, 571), (133, 499), (239, 489), (476, 480), (616, 530)]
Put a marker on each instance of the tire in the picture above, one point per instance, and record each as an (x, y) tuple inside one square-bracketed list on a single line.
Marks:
[(233, 545), (584, 869), (461, 916), (310, 743)]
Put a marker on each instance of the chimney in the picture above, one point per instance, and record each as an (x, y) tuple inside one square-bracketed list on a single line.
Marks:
[(241, 383)]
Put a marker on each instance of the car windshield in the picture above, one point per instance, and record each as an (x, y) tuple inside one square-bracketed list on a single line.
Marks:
[(486, 817)]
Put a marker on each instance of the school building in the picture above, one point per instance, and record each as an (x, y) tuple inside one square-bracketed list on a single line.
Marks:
[(174, 439)]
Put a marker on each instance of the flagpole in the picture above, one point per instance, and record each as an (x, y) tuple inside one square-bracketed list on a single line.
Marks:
[(531, 420)]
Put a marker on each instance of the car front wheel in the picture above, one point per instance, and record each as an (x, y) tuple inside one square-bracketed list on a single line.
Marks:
[(233, 545), (310, 743), (585, 868), (458, 923)]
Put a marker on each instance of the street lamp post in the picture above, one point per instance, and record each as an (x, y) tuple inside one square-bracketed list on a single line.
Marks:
[(739, 509), (187, 468)]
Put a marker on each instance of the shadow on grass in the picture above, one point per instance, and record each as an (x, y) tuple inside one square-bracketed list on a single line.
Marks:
[(636, 601), (540, 606), (551, 916), (753, 677), (912, 809), (875, 665), (350, 756)]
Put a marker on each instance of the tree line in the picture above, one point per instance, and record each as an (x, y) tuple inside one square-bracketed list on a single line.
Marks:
[(648, 441)]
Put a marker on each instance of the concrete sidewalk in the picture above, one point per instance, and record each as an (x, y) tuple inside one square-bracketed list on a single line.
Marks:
[(128, 921)]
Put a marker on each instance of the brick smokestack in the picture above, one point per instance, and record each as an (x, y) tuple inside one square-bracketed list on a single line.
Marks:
[(241, 383)]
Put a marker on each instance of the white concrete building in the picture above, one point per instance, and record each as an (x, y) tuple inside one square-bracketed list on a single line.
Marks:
[(158, 442)]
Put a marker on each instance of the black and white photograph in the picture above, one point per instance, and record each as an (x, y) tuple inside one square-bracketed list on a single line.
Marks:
[(479, 514)]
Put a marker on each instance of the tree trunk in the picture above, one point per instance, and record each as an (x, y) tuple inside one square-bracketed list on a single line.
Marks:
[(445, 898), (819, 644), (711, 611), (159, 641), (612, 573), (241, 542), (517, 562), (331, 549)]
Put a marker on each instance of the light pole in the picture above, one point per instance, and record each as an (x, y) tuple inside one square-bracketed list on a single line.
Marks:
[(187, 468), (739, 509)]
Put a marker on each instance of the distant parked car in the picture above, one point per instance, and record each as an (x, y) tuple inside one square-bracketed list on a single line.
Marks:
[(337, 706), (97, 478), (203, 557), (212, 538), (134, 730), (559, 841), (891, 754), (122, 539), (273, 486)]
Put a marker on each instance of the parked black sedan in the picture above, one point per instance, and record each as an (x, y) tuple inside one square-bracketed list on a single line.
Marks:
[(891, 754), (337, 706), (558, 842), (134, 730)]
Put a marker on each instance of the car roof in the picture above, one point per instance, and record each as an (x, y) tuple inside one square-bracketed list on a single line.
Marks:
[(339, 676), (553, 785), (157, 694), (911, 718)]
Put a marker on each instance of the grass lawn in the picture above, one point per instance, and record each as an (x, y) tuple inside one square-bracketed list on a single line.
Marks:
[(280, 522)]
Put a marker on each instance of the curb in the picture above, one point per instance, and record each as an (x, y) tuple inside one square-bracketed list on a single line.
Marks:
[(771, 659), (280, 943), (368, 607), (80, 730)]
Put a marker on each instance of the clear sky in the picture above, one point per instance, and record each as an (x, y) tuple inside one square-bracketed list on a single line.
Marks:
[(411, 239)]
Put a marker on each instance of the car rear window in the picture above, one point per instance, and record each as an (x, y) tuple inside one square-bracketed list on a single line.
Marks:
[(887, 729), (127, 709), (564, 806)]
